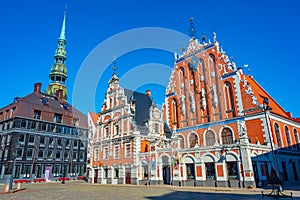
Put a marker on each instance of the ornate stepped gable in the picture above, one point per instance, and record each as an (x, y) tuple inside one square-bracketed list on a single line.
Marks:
[(196, 87)]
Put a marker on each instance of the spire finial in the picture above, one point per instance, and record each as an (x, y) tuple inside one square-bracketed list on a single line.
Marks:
[(192, 28), (115, 66), (63, 27)]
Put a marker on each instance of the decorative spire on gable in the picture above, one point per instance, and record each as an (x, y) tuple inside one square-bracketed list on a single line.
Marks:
[(192, 28), (114, 78), (58, 73)]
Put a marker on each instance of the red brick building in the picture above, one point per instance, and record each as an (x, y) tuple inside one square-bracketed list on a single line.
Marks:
[(222, 119)]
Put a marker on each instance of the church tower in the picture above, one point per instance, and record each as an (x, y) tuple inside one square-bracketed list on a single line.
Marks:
[(58, 73)]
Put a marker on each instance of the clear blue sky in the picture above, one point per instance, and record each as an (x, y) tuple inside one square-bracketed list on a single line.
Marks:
[(263, 34)]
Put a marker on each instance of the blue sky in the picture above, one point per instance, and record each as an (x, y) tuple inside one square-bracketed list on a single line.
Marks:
[(263, 34)]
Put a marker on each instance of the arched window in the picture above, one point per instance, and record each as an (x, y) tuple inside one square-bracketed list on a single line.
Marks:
[(277, 134), (296, 138), (229, 101), (174, 111), (227, 136), (287, 135), (210, 138), (193, 140), (181, 141)]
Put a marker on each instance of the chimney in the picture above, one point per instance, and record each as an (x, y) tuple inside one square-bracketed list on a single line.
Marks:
[(59, 94), (148, 93), (37, 88)]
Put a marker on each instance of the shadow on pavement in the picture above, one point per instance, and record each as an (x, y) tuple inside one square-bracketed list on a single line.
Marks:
[(208, 196)]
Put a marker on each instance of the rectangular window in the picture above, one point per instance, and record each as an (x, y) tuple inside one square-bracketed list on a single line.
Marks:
[(105, 154), (75, 122), (210, 170), (117, 129), (27, 169), (37, 114), (29, 153), (106, 131), (43, 127), (13, 111), (67, 143), (96, 157), (105, 173), (19, 152), (56, 170), (127, 150), (32, 125), (23, 123), (50, 154), (190, 171), (41, 154), (57, 154), (75, 143), (116, 173), (59, 141), (51, 141), (232, 170), (42, 140), (21, 137), (17, 123), (57, 118), (52, 127), (66, 155), (31, 139), (75, 155), (80, 170), (81, 155), (17, 171), (117, 152), (73, 173), (6, 114)]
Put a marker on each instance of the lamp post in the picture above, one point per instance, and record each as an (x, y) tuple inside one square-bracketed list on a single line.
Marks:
[(266, 109), (273, 179), (11, 180)]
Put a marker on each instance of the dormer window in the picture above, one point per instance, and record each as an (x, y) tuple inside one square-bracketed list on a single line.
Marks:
[(44, 101), (37, 114), (65, 106), (57, 118)]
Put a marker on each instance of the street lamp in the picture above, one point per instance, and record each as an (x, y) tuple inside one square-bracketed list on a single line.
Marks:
[(11, 181), (273, 179), (267, 109)]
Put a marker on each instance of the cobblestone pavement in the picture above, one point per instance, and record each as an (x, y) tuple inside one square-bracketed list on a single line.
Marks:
[(85, 191)]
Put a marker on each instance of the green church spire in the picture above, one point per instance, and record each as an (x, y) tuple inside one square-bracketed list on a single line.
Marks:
[(58, 73), (63, 29)]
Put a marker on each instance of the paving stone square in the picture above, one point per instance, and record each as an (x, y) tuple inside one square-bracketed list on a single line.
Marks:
[(85, 191)]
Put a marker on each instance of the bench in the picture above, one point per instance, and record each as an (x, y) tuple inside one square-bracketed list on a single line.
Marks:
[(80, 177), (65, 178), (21, 181), (38, 180)]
